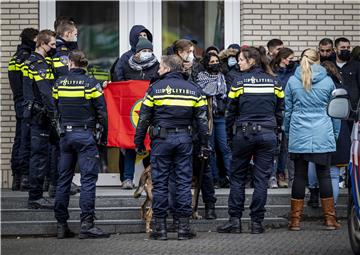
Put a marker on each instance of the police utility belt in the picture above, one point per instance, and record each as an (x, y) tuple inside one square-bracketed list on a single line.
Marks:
[(161, 132), (249, 128)]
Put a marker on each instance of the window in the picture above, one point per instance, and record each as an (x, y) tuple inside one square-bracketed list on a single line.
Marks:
[(202, 21)]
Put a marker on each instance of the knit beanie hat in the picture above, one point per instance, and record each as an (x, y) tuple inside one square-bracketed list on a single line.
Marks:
[(143, 44)]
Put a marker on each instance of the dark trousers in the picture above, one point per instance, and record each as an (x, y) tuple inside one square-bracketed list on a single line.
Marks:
[(39, 159), (172, 154), (16, 154), (301, 177), (77, 144), (261, 147)]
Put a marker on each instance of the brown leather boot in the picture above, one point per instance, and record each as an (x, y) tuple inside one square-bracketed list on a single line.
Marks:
[(329, 213), (297, 206)]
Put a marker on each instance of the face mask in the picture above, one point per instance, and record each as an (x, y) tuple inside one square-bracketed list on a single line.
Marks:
[(51, 52), (332, 57), (344, 55), (214, 68), (74, 39), (190, 57), (30, 43), (145, 56), (290, 65), (232, 61)]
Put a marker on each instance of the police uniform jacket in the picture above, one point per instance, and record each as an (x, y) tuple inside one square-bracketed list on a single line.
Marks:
[(255, 97), (15, 67), (79, 100), (172, 102), (38, 79), (61, 57)]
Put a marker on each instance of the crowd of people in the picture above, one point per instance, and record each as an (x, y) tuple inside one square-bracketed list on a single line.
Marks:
[(239, 117)]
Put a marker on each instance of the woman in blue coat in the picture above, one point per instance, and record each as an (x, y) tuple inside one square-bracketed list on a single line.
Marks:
[(312, 134)]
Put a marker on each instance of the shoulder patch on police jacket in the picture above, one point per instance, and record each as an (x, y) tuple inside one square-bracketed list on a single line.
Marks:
[(42, 73), (64, 60), (64, 48), (99, 87)]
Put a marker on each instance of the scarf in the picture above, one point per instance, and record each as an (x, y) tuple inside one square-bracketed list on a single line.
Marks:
[(138, 66)]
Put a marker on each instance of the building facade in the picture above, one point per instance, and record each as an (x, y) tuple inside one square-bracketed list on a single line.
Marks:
[(104, 31)]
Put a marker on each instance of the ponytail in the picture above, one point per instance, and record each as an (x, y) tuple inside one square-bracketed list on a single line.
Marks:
[(79, 59), (309, 57)]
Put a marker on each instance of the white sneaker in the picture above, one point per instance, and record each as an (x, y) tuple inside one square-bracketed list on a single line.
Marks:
[(128, 184), (273, 183)]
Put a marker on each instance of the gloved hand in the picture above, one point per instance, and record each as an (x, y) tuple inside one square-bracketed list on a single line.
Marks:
[(140, 149), (204, 152)]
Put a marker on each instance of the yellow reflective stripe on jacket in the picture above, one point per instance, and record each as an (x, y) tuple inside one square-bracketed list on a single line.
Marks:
[(55, 93), (37, 77), (25, 70), (279, 92), (92, 93), (180, 102), (236, 92), (57, 63), (70, 93)]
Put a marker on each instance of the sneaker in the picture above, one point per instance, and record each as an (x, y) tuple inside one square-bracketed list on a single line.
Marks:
[(128, 184), (273, 183), (41, 203), (282, 183)]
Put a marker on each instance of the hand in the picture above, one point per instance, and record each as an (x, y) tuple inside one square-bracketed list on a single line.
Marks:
[(204, 152), (105, 84), (140, 150)]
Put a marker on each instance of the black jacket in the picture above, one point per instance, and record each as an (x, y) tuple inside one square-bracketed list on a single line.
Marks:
[(172, 102), (61, 57), (146, 74)]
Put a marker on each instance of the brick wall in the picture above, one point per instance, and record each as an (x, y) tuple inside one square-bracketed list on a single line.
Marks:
[(15, 16), (299, 24)]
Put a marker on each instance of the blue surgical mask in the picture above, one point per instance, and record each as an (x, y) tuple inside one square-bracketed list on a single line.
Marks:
[(232, 61), (145, 56)]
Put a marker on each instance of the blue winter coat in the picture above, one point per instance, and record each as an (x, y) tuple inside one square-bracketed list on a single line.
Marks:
[(118, 67), (307, 125)]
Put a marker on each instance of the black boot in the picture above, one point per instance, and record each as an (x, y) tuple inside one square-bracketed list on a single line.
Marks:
[(74, 189), (159, 232), (41, 203), (63, 231), (210, 211), (174, 226), (88, 229), (24, 185), (314, 198), (185, 232), (52, 191), (16, 182), (232, 226), (257, 228)]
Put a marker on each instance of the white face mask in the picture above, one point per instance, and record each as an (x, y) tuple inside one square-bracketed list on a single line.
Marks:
[(145, 56), (232, 61), (190, 57), (74, 39)]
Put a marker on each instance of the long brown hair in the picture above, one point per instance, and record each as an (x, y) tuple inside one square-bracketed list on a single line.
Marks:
[(79, 58), (309, 57), (259, 55)]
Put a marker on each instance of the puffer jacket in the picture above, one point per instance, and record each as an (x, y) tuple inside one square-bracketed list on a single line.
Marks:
[(307, 125), (224, 55)]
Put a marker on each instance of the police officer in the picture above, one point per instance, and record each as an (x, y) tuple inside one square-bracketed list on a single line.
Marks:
[(20, 156), (256, 102), (38, 81), (80, 104), (170, 106)]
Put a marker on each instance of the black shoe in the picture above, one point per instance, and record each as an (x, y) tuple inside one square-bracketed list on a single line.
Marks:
[(257, 228), (41, 203), (74, 189), (224, 183), (232, 226), (16, 182), (52, 191), (88, 229), (63, 231), (210, 211), (314, 198), (185, 232), (160, 231), (24, 185), (173, 227)]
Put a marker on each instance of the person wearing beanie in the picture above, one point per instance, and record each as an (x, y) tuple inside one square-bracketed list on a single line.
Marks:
[(142, 65)]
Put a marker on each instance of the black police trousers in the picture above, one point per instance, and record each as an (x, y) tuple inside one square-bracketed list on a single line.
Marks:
[(261, 146)]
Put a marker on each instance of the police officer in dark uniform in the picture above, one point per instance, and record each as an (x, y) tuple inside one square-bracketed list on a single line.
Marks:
[(38, 80), (80, 105), (256, 102), (20, 156), (170, 106)]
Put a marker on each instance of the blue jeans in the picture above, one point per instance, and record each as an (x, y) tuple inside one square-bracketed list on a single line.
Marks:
[(334, 174), (218, 137), (129, 164)]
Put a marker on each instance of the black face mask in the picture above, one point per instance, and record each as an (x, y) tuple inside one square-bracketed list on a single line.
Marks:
[(214, 68), (51, 52), (332, 57), (290, 65), (344, 55), (72, 45)]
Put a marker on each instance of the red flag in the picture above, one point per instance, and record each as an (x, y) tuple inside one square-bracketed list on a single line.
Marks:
[(123, 101)]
